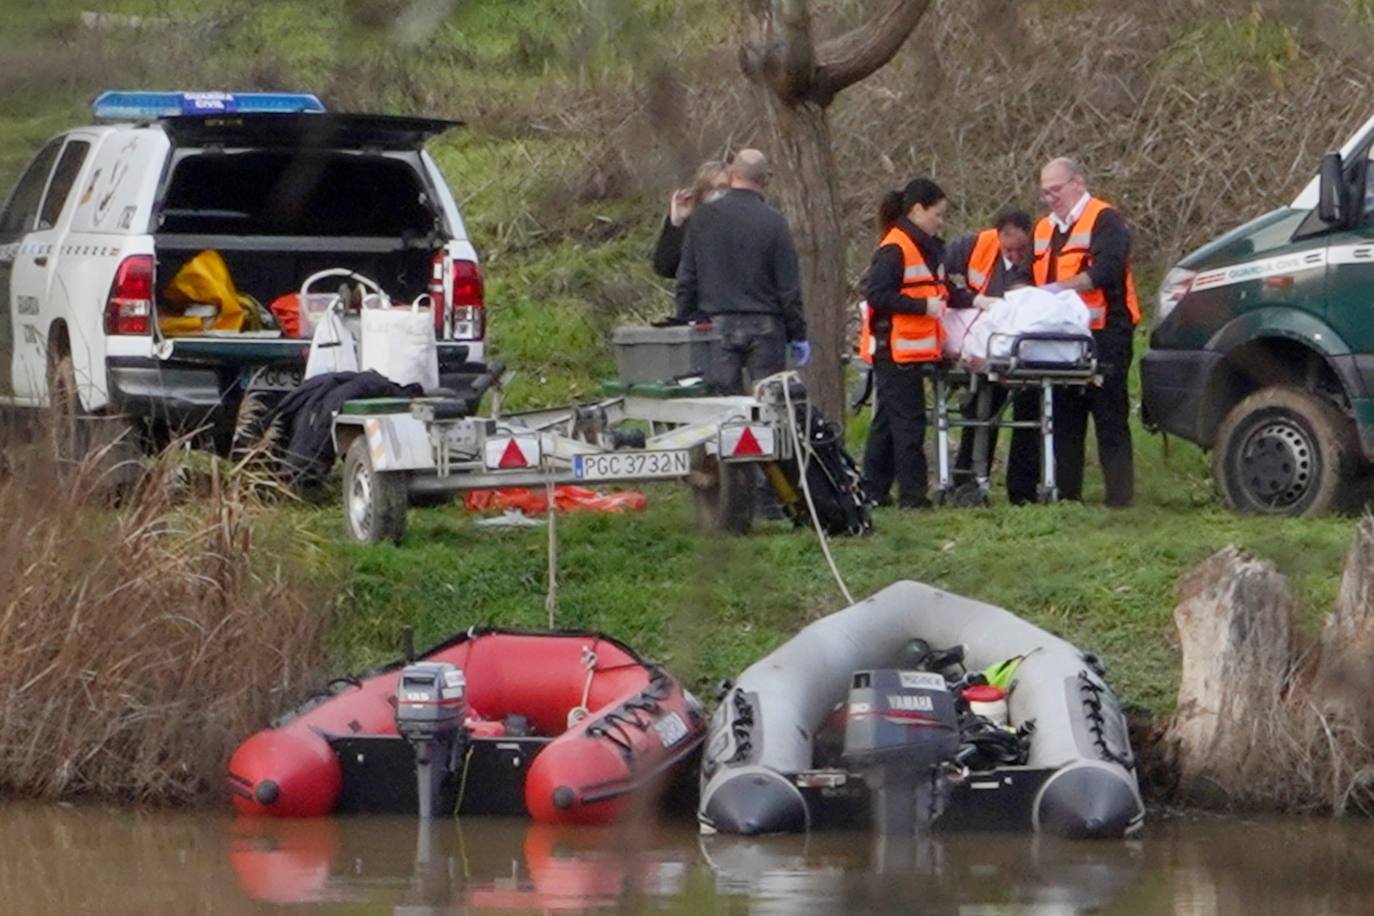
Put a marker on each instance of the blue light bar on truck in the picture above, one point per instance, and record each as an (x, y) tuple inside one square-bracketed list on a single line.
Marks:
[(143, 106)]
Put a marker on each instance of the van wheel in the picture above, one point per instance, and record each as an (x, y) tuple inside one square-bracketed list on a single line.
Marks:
[(1284, 451), (374, 502), (725, 498)]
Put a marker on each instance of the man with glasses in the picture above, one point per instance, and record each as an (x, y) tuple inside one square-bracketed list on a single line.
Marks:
[(1083, 245)]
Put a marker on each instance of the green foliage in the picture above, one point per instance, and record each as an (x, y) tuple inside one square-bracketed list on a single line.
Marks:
[(1216, 51), (563, 201)]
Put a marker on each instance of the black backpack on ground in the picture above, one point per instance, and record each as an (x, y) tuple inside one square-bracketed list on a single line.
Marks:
[(842, 506)]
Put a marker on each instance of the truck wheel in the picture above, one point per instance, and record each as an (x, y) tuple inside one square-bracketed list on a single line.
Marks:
[(1284, 451), (66, 429), (726, 501), (374, 502), (255, 441)]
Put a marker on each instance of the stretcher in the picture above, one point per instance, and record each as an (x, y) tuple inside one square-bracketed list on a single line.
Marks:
[(1021, 368)]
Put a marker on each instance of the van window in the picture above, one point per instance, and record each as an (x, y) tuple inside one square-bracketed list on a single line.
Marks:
[(63, 177), (297, 192), (22, 205)]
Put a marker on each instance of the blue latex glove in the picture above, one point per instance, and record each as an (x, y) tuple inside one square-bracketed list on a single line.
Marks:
[(800, 351), (1052, 288)]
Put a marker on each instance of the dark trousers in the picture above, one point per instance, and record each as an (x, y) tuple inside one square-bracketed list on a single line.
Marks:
[(1109, 408), (896, 441), (752, 346), (968, 437), (1023, 462)]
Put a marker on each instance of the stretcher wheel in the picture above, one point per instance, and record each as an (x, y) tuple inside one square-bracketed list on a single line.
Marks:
[(970, 495), (374, 502)]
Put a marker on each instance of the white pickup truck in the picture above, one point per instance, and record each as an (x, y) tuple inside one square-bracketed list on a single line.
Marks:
[(105, 215)]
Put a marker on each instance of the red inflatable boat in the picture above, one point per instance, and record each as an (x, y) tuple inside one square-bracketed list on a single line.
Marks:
[(575, 724)]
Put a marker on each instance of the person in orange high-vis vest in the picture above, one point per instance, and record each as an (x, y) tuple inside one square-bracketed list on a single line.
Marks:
[(906, 297), (1083, 245), (980, 267)]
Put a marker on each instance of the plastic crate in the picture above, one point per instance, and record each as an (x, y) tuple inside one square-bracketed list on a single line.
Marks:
[(648, 355)]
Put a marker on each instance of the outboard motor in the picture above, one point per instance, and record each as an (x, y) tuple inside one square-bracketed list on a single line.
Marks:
[(431, 705), (900, 728)]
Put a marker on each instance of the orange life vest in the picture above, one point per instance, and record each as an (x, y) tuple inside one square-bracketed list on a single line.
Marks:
[(982, 261), (1074, 259), (914, 338), (866, 345)]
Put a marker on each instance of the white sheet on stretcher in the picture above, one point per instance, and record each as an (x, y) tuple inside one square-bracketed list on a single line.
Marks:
[(986, 335)]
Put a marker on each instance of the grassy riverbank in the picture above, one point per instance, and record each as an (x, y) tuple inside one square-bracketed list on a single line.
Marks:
[(709, 606), (580, 117)]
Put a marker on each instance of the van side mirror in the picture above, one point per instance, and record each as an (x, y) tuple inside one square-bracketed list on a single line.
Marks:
[(1331, 195)]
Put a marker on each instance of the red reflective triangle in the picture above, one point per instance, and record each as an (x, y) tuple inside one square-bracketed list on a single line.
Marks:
[(513, 457), (748, 445)]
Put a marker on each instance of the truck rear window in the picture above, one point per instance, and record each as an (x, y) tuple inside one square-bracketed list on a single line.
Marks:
[(296, 192)]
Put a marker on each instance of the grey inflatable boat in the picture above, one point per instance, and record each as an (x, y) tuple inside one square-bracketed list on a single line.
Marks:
[(764, 768)]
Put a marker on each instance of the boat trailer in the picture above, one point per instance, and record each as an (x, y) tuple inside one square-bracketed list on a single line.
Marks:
[(401, 452)]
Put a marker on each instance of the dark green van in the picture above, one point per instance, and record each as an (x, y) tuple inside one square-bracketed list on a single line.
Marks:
[(1263, 348)]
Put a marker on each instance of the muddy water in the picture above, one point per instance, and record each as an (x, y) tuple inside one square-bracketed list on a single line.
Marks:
[(108, 861)]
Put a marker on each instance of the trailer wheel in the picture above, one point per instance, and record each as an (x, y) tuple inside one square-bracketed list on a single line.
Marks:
[(374, 502), (725, 499), (1284, 451)]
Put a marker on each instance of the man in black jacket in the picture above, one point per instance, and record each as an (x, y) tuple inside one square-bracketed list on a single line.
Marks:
[(971, 282), (739, 266)]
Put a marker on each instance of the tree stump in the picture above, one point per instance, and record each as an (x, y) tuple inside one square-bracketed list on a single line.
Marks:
[(1344, 682), (1234, 626), (1342, 729)]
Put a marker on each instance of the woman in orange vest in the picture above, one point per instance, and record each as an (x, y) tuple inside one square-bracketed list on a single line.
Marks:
[(902, 334)]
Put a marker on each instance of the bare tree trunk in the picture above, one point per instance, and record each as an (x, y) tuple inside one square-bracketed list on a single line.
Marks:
[(799, 80), (799, 142)]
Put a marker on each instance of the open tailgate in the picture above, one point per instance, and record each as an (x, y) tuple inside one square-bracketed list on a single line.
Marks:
[(304, 130)]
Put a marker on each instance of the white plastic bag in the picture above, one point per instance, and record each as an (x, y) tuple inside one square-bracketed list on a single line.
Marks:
[(399, 343), (957, 323), (332, 348), (1028, 310)]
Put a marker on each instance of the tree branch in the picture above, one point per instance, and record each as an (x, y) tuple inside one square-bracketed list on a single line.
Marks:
[(795, 59), (848, 58)]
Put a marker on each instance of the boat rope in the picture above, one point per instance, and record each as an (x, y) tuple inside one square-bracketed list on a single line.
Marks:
[(1091, 693), (580, 711), (742, 727), (551, 598), (323, 695), (636, 713), (803, 461), (463, 781)]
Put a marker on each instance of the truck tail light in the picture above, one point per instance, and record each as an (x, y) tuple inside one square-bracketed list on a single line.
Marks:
[(460, 289), (129, 309), (1176, 285)]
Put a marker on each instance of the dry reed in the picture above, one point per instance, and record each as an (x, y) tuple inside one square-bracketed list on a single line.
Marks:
[(140, 643)]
